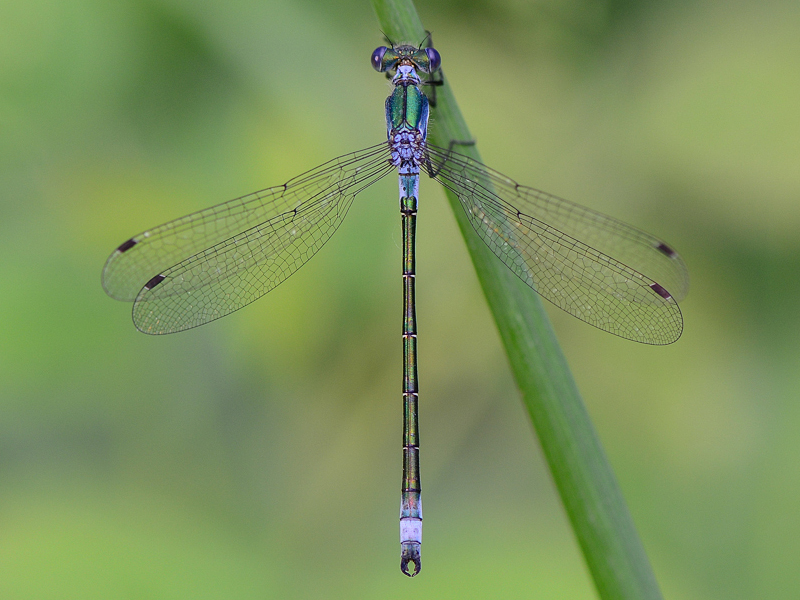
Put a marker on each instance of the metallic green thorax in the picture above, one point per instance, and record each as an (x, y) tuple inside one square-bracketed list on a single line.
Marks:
[(406, 108)]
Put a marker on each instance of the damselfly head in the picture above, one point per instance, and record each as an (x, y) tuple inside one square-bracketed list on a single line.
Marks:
[(426, 60)]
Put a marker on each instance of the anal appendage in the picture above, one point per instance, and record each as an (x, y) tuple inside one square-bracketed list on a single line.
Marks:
[(410, 562)]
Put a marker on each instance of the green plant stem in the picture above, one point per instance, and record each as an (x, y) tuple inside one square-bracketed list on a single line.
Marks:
[(584, 478)]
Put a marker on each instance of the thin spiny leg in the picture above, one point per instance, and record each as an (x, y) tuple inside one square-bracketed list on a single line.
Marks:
[(433, 172)]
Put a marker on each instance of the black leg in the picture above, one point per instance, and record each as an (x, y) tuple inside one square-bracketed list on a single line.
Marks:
[(433, 172), (436, 79)]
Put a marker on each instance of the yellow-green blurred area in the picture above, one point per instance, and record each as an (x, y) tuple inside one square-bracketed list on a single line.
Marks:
[(259, 456)]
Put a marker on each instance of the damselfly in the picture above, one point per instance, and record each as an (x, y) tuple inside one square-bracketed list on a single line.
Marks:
[(211, 263)]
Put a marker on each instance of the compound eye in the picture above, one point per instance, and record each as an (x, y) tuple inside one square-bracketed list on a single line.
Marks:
[(435, 59), (377, 58)]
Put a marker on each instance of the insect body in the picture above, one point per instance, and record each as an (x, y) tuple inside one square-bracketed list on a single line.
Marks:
[(208, 264)]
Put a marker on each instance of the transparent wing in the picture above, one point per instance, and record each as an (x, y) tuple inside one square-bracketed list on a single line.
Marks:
[(600, 270), (208, 264)]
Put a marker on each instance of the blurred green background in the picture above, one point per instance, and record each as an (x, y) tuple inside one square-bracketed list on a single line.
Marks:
[(259, 456)]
